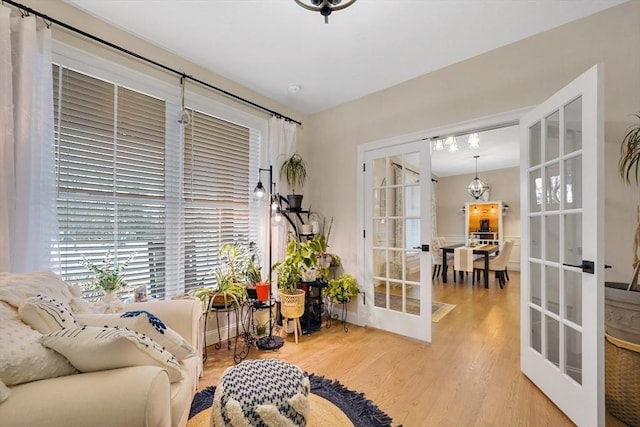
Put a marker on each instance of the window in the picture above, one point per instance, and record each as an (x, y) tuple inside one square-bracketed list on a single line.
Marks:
[(130, 184)]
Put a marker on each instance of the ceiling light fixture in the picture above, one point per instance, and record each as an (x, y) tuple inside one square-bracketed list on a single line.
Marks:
[(452, 143), (438, 145), (474, 140), (325, 7), (477, 188)]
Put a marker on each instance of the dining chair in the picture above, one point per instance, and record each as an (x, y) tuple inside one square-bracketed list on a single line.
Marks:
[(498, 265), (436, 257)]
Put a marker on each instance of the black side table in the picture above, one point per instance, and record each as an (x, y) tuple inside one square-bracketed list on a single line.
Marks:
[(311, 320)]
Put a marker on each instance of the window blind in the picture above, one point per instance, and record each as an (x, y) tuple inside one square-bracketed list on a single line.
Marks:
[(129, 184), (111, 160), (216, 193)]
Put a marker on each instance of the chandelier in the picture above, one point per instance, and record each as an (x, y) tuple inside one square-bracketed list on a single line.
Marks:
[(477, 188), (451, 143), (325, 7)]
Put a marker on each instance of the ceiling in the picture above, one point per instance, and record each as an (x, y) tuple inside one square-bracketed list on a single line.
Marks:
[(499, 149), (268, 45)]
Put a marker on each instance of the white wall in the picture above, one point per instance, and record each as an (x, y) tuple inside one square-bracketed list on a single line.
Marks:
[(516, 76)]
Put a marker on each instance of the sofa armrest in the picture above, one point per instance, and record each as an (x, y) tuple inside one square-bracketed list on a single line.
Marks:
[(182, 315)]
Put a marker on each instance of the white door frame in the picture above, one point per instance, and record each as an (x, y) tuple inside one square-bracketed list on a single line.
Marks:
[(487, 122)]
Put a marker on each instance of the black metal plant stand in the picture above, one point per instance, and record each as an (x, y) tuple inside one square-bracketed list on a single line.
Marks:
[(343, 315)]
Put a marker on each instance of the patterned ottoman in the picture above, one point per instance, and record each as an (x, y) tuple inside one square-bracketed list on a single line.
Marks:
[(264, 392)]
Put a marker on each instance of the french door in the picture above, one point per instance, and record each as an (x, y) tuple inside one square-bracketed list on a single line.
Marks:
[(562, 268), (397, 271)]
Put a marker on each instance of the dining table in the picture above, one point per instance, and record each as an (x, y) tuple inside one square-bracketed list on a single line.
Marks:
[(484, 250)]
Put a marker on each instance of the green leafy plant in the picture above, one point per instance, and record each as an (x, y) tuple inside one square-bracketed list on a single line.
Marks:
[(294, 171), (299, 257), (109, 276), (342, 289), (629, 162), (231, 276)]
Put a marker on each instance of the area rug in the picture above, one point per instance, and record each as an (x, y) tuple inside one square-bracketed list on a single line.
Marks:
[(439, 310), (331, 403)]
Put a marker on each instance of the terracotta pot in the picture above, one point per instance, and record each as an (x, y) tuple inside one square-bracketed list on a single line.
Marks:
[(262, 291)]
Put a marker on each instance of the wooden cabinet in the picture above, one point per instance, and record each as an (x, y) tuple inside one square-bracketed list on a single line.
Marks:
[(483, 222)]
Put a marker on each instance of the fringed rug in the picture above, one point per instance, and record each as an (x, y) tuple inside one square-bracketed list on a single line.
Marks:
[(332, 404)]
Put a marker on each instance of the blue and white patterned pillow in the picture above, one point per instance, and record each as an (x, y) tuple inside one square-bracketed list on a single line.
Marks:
[(46, 314), (94, 348), (145, 323)]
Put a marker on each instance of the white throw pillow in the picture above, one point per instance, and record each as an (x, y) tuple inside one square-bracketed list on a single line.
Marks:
[(4, 392), (45, 314), (92, 348), (147, 324), (16, 287), (23, 358)]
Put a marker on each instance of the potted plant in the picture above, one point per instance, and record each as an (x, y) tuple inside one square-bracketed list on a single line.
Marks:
[(619, 302), (622, 302), (289, 272), (294, 171), (108, 277), (342, 289), (230, 288)]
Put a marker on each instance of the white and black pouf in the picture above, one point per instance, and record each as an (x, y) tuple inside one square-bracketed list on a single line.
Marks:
[(263, 392)]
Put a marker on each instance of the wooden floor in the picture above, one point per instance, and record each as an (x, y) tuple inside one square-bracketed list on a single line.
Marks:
[(468, 376)]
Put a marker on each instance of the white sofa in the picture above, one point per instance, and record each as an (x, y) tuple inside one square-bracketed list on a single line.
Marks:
[(127, 396)]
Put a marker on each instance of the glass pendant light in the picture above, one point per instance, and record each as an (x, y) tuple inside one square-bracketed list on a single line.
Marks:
[(477, 188)]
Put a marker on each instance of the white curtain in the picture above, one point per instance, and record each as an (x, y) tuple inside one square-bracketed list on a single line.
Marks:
[(27, 163), (282, 144)]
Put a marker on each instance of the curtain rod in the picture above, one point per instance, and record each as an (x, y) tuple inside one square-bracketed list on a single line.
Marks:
[(48, 20)]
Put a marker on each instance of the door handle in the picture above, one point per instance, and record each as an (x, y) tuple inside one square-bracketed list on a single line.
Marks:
[(423, 248), (586, 266)]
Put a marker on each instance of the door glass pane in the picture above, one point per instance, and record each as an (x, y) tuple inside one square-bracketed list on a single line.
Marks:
[(396, 292), (380, 173), (535, 191), (412, 165), (553, 190), (395, 266), (379, 202), (553, 340), (535, 283), (572, 239), (412, 268), (552, 288), (573, 126), (573, 353), (535, 144), (536, 330), (552, 237), (413, 300), (396, 233), (552, 142), (573, 296), (380, 290), (380, 262), (380, 233), (535, 237), (573, 182), (412, 236), (396, 203)]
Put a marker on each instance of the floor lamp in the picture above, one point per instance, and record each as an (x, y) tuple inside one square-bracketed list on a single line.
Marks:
[(269, 342)]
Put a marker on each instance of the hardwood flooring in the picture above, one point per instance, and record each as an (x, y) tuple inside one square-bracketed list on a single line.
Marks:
[(468, 376)]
